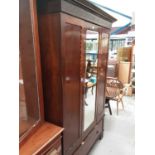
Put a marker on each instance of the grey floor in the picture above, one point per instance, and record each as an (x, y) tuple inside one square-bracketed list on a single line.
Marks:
[(119, 137)]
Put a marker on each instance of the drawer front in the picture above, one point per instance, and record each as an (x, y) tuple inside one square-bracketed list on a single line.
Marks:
[(55, 151), (90, 140), (54, 148)]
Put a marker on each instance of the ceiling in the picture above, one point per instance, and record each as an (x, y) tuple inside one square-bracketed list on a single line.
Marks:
[(119, 9)]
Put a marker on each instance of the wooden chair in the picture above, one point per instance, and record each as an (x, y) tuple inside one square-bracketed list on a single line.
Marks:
[(107, 105), (115, 91)]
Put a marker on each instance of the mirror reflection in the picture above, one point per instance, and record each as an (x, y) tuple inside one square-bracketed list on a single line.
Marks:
[(22, 102), (90, 81), (28, 105)]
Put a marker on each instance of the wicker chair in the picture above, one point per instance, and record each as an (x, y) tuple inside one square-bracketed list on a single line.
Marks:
[(115, 91)]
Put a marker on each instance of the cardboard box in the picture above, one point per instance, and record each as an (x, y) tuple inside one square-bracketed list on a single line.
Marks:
[(124, 54), (124, 72)]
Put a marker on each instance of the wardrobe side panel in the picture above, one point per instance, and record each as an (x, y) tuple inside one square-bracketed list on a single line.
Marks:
[(50, 43)]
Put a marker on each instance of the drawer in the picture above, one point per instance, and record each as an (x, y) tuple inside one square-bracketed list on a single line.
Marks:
[(54, 148), (55, 151), (90, 140)]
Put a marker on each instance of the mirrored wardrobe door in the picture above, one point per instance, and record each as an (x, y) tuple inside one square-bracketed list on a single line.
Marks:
[(90, 77)]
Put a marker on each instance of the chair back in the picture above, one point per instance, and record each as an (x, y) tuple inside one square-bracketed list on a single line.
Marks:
[(114, 88)]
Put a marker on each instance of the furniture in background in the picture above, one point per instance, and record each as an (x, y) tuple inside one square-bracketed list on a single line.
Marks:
[(124, 54), (36, 136), (112, 68), (123, 68), (124, 58), (71, 32), (124, 72), (115, 91), (133, 68), (119, 69)]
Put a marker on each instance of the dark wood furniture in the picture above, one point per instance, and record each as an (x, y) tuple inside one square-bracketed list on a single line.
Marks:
[(30, 83), (45, 141), (35, 134), (64, 27)]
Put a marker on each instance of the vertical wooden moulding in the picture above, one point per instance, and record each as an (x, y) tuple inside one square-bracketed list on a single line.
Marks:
[(103, 56)]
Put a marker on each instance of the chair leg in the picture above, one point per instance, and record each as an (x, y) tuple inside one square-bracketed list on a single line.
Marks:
[(117, 107), (122, 103), (109, 108), (107, 102)]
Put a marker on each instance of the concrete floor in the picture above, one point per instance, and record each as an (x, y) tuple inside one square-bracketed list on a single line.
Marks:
[(119, 134)]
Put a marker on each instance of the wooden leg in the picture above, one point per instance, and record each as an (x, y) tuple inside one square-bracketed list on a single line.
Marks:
[(107, 105), (122, 103), (109, 108), (101, 136), (117, 107)]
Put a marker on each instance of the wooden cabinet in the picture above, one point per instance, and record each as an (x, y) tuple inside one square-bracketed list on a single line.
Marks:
[(46, 140), (35, 135), (87, 142), (73, 33), (31, 113)]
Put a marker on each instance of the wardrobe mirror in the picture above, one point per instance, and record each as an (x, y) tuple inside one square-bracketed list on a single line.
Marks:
[(90, 81)]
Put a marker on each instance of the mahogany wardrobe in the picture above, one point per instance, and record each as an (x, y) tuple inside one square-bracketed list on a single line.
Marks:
[(74, 39)]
